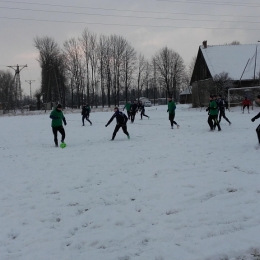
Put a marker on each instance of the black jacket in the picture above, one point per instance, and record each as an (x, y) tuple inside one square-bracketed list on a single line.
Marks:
[(221, 104), (141, 107), (121, 118), (85, 110), (134, 108), (254, 118)]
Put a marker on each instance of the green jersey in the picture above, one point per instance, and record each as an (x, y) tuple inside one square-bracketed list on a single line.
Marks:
[(213, 108), (127, 106), (171, 107), (57, 117)]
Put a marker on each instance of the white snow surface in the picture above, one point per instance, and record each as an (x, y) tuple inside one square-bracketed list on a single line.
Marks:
[(184, 194), (233, 59)]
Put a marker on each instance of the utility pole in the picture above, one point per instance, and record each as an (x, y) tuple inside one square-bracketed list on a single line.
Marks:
[(17, 82), (30, 81)]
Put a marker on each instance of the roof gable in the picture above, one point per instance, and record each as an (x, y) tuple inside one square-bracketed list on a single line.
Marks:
[(233, 60)]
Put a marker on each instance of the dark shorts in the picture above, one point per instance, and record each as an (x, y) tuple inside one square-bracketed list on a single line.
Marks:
[(171, 117)]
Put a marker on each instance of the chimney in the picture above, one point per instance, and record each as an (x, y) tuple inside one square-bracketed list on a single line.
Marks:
[(205, 44)]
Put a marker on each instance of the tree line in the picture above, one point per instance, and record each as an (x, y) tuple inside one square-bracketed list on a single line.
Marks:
[(103, 70)]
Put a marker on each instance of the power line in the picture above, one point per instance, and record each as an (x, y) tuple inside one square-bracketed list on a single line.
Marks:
[(122, 16), (212, 3), (136, 11), (129, 25)]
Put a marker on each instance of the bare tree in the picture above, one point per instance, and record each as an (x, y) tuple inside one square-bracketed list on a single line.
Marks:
[(129, 59), (187, 78), (103, 70), (85, 43), (108, 69), (171, 70), (147, 77), (89, 45), (222, 82), (191, 67), (74, 66), (102, 65), (235, 43), (49, 57), (155, 83), (141, 66), (38, 95), (105, 63), (7, 95), (118, 47), (93, 58)]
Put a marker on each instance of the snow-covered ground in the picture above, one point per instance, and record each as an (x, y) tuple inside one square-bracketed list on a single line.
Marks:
[(184, 194)]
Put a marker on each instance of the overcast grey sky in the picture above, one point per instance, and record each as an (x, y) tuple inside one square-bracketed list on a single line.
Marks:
[(148, 25)]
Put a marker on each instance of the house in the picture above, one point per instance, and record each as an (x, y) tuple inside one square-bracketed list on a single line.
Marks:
[(186, 96), (241, 62)]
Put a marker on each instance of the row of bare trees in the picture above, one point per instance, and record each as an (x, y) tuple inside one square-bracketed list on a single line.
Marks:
[(99, 70), (102, 70)]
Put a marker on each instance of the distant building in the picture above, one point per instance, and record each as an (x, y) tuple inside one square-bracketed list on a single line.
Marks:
[(241, 62), (186, 96)]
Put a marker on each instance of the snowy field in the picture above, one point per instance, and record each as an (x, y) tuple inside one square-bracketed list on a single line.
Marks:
[(165, 194)]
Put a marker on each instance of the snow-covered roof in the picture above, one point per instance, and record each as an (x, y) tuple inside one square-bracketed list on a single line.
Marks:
[(233, 60)]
